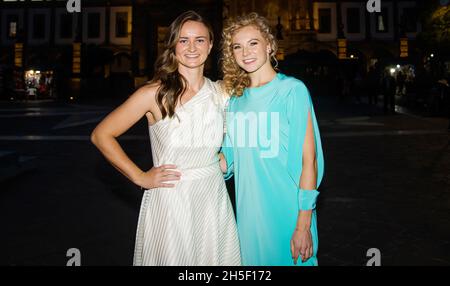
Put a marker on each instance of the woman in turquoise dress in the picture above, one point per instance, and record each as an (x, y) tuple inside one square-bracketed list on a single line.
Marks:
[(272, 146)]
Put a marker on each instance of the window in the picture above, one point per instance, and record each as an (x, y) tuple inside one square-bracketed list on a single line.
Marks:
[(122, 24), (93, 25), (12, 29), (12, 22), (66, 26), (38, 26), (382, 22), (409, 20), (353, 20), (325, 20)]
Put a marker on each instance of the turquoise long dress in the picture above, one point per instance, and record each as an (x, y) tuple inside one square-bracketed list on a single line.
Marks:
[(265, 132)]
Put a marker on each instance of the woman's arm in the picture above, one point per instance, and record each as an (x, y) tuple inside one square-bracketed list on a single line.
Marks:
[(226, 151), (223, 163), (308, 178), (302, 239), (226, 157), (118, 122)]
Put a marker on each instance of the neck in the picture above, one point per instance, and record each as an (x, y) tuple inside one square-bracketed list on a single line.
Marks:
[(194, 77), (262, 76)]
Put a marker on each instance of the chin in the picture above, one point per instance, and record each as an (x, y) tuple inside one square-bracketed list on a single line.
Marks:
[(249, 69), (193, 65)]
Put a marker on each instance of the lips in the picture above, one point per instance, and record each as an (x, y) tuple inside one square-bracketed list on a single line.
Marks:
[(249, 61), (192, 56)]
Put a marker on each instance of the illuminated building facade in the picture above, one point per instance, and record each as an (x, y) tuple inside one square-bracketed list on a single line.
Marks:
[(119, 40)]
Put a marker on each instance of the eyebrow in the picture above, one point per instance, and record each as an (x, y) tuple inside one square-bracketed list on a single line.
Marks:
[(247, 41), (199, 37)]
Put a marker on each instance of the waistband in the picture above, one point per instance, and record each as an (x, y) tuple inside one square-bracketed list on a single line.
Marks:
[(198, 173)]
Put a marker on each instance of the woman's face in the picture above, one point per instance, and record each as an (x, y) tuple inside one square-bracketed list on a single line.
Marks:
[(251, 50), (194, 45)]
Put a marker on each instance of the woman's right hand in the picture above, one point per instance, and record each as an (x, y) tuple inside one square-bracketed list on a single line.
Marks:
[(158, 177), (222, 163)]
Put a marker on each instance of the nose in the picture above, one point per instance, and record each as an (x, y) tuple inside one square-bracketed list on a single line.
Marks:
[(245, 51), (191, 47)]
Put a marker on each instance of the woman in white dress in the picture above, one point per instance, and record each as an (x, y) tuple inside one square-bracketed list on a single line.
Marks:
[(186, 217)]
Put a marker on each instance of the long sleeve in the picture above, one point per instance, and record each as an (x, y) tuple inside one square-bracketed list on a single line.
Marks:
[(299, 105)]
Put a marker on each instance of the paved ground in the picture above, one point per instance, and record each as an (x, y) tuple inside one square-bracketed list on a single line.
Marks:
[(386, 186)]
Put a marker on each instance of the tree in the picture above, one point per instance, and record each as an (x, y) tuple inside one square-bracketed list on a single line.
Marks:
[(436, 26)]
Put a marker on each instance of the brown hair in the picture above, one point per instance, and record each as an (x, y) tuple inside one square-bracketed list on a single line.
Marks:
[(171, 83)]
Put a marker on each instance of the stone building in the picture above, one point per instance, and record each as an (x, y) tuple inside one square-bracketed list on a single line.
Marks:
[(119, 40)]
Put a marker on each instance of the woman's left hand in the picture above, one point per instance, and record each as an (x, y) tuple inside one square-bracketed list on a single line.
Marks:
[(301, 244)]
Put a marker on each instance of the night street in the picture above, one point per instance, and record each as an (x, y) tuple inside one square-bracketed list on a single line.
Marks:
[(386, 186), (378, 75)]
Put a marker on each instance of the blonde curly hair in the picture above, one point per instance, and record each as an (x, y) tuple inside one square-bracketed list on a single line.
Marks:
[(235, 79)]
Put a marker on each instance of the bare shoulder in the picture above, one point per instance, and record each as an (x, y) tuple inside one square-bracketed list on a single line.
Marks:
[(145, 97), (147, 92)]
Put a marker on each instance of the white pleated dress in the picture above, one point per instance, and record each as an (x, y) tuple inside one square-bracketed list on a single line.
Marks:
[(192, 223)]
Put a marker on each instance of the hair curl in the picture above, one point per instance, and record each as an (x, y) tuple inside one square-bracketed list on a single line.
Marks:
[(235, 79), (172, 84)]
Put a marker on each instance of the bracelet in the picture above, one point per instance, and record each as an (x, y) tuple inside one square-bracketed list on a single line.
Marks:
[(307, 199)]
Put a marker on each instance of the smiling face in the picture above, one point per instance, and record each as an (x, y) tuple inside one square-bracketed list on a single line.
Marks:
[(194, 45), (250, 49)]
